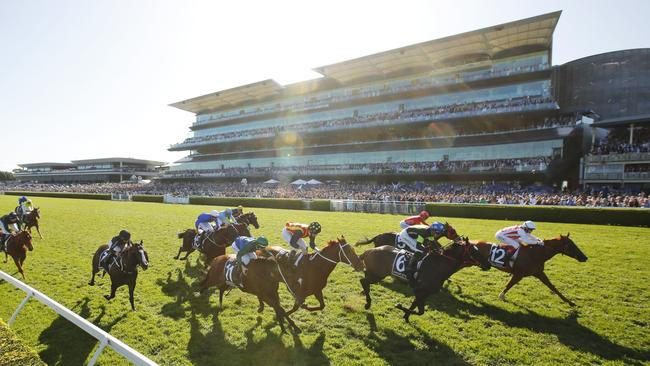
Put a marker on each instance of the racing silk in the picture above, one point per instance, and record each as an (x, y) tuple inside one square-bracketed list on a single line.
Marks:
[(421, 233), (204, 217), (295, 228), (117, 242), (7, 226), (517, 233), (415, 220), (245, 245), (225, 218)]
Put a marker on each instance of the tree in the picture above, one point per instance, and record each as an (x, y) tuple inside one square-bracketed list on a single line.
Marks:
[(7, 176)]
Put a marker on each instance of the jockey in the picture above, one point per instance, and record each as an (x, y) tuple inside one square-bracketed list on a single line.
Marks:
[(225, 217), (8, 225), (204, 222), (415, 220), (513, 236), (418, 238), (245, 247), (116, 246), (294, 233), (237, 211)]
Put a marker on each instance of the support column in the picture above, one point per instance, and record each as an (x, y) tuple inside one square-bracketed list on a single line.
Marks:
[(631, 133)]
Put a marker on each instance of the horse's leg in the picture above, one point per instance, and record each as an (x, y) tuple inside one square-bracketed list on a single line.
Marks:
[(542, 277), (513, 281), (5, 254), (365, 283), (92, 277), (38, 230), (131, 289), (222, 289), (261, 306), (113, 289), (296, 305), (19, 266), (319, 296), (187, 254)]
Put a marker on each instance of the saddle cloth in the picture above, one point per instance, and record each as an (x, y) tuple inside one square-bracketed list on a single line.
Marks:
[(232, 273)]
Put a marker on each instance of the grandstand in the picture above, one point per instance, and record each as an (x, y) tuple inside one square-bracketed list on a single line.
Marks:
[(89, 171), (476, 106)]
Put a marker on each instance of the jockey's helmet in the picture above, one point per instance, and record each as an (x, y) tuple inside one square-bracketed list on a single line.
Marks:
[(529, 225), (240, 208), (314, 227), (437, 228), (124, 235), (262, 241), (12, 216), (228, 212), (214, 213), (424, 215)]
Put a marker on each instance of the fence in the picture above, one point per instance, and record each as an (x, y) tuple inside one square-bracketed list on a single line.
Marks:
[(104, 338), (383, 207), (120, 197), (168, 198)]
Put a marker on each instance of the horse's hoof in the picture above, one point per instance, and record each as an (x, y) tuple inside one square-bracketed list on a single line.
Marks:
[(260, 309), (107, 297), (197, 294), (367, 306), (91, 283), (572, 304), (502, 297)]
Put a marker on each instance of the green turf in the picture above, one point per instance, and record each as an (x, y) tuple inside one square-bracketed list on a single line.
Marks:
[(13, 351), (465, 324)]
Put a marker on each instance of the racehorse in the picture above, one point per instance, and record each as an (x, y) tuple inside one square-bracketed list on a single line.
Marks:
[(434, 269), (131, 257), (530, 261), (248, 218), (31, 220), (314, 270), (17, 246), (262, 280), (213, 246), (390, 238)]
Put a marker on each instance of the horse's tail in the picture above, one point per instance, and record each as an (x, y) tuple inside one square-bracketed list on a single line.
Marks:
[(366, 241)]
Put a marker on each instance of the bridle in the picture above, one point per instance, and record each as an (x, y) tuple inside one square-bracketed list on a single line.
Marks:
[(466, 248), (341, 250)]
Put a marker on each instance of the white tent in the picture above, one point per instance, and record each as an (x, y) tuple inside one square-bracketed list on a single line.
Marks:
[(314, 181), (272, 181), (299, 182)]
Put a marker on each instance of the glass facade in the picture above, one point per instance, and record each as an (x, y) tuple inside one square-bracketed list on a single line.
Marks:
[(537, 88), (486, 70), (490, 152)]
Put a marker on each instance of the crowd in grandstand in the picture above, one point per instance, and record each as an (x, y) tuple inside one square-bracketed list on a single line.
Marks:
[(504, 194), (442, 166), (617, 142), (415, 115), (374, 90)]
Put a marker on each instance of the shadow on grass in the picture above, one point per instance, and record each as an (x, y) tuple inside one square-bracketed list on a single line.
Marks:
[(181, 284), (212, 347), (396, 349), (66, 343), (568, 331)]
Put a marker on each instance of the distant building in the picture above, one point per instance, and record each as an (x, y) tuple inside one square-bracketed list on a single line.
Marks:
[(485, 105), (89, 170)]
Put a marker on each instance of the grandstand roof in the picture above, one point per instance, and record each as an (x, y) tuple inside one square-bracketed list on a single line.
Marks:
[(487, 42), (46, 165), (526, 34), (623, 121), (118, 160), (230, 97)]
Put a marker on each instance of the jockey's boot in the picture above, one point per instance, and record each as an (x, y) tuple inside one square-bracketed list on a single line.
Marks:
[(510, 251), (412, 267)]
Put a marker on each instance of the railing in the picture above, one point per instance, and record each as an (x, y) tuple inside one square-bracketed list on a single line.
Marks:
[(618, 176), (383, 207), (614, 157), (104, 338)]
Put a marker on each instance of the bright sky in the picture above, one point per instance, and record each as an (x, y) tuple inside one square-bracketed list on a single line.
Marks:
[(87, 79)]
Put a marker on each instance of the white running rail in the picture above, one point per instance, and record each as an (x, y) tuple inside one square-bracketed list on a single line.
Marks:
[(104, 338)]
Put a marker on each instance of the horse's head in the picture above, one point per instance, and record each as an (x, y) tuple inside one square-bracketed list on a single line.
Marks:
[(37, 213), (450, 232), (252, 219), (567, 247), (466, 253), (25, 239), (227, 232), (140, 255), (346, 253)]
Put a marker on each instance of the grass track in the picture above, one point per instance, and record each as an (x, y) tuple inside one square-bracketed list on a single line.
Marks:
[(466, 324)]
